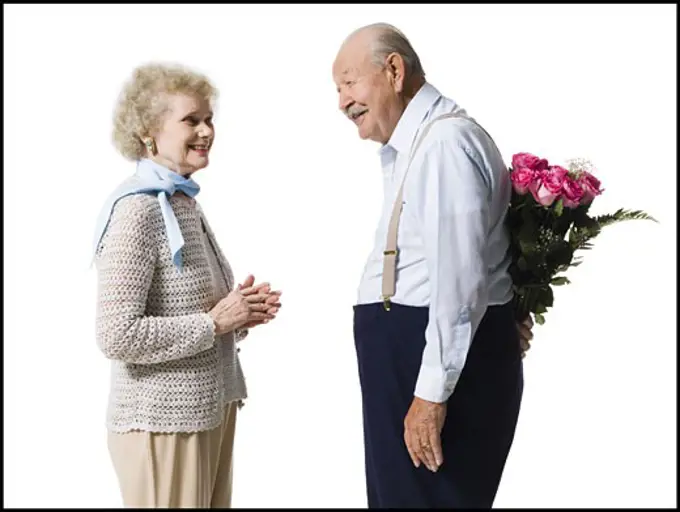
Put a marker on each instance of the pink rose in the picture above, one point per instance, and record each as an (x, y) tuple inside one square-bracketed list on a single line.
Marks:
[(571, 193), (549, 187), (591, 187), (529, 161), (522, 178)]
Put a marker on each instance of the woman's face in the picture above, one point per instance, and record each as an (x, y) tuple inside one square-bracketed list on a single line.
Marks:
[(186, 134)]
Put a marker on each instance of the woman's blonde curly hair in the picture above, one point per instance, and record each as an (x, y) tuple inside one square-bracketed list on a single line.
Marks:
[(141, 103)]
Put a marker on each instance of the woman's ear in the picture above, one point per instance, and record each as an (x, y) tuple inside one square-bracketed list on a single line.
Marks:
[(150, 145)]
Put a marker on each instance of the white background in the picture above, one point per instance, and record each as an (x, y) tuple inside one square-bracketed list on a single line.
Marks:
[(293, 196)]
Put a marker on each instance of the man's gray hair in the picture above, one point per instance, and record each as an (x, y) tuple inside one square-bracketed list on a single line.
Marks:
[(389, 39)]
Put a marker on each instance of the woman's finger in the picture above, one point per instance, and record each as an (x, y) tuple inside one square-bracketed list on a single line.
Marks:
[(273, 297), (260, 308), (247, 282), (250, 290), (256, 298), (257, 316)]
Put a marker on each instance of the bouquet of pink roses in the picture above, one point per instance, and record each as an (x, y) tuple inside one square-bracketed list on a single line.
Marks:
[(549, 221)]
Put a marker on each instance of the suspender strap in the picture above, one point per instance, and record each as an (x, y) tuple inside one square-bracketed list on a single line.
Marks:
[(391, 252)]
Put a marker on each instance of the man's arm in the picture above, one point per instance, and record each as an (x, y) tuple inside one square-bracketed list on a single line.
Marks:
[(453, 207)]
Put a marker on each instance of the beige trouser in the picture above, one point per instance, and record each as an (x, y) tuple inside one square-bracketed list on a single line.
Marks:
[(176, 470)]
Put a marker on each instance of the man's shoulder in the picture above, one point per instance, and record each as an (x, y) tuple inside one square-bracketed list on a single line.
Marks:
[(456, 130), (453, 137)]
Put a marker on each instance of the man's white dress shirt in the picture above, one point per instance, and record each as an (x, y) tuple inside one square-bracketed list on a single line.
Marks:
[(453, 245)]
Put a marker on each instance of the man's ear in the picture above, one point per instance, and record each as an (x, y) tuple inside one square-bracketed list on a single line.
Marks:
[(396, 70)]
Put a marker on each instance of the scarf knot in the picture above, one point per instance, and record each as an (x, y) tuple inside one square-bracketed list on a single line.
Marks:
[(151, 178)]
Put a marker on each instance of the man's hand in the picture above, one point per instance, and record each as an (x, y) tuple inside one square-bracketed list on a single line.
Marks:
[(422, 428), (525, 334)]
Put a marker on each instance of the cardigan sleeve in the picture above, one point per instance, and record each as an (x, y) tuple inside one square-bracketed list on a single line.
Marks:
[(125, 268)]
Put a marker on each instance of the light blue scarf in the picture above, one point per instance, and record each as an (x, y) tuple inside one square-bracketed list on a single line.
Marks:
[(151, 178)]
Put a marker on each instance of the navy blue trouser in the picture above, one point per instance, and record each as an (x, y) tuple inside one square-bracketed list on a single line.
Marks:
[(481, 413)]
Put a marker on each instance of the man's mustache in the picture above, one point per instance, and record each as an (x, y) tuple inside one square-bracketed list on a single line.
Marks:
[(354, 111)]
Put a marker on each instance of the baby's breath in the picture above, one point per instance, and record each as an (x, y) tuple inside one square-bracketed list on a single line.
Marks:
[(578, 165)]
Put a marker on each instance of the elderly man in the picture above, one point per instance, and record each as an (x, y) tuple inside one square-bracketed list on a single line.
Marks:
[(440, 360)]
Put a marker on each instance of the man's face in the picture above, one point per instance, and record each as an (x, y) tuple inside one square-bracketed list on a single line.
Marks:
[(368, 93)]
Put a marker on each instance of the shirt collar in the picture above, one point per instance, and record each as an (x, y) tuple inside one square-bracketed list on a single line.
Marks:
[(413, 116)]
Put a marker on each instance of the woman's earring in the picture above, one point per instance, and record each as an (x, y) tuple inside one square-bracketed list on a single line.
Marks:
[(151, 146)]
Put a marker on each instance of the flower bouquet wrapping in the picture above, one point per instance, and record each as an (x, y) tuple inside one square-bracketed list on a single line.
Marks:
[(549, 222)]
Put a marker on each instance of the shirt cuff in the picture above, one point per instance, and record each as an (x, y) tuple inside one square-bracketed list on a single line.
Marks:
[(435, 384), (441, 369)]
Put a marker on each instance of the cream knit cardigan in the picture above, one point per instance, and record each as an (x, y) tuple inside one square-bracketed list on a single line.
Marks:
[(170, 372)]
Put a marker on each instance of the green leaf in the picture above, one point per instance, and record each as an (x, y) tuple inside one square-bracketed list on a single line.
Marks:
[(580, 217), (545, 296), (559, 207), (621, 215), (527, 247), (579, 236), (562, 223), (559, 281), (528, 229), (540, 308), (561, 253), (540, 319), (584, 223), (522, 264)]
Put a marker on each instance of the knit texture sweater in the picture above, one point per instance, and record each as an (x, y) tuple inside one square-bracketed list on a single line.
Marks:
[(170, 372)]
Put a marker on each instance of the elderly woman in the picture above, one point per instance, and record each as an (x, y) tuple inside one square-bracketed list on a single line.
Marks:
[(168, 315)]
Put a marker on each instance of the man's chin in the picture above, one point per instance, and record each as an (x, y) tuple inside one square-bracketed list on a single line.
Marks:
[(364, 134), (369, 136)]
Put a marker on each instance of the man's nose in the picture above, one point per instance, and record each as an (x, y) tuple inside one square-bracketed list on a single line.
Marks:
[(344, 102)]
